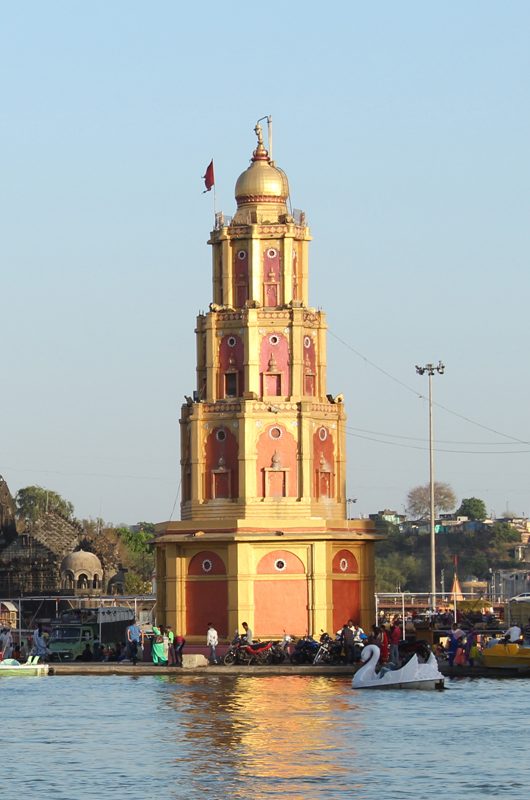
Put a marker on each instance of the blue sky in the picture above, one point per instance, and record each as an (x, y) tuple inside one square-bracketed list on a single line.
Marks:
[(404, 131)]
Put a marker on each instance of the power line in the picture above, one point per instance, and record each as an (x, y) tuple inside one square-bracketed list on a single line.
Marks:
[(421, 396), (437, 449), (421, 439), (88, 474)]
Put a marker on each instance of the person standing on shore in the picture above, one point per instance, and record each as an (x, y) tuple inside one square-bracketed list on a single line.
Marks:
[(347, 640), (6, 643), (39, 643), (395, 638), (133, 641), (212, 640), (171, 656), (159, 646)]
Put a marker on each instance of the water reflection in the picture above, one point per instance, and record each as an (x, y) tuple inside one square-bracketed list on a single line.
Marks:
[(269, 729)]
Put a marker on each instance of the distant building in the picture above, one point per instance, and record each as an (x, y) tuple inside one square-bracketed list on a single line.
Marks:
[(388, 516)]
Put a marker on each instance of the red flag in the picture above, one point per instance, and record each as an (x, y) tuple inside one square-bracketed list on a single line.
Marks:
[(209, 179)]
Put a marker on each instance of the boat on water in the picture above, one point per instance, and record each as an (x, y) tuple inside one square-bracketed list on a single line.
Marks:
[(507, 655), (10, 667), (412, 675)]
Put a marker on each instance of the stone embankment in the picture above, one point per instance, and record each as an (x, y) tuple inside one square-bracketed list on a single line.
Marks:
[(197, 664), (193, 664)]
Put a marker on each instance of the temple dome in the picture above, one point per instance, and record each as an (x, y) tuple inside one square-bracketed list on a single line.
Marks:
[(262, 181), (81, 561)]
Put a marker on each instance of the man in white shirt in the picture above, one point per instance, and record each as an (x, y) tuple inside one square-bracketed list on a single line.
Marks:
[(248, 633), (513, 634), (212, 640)]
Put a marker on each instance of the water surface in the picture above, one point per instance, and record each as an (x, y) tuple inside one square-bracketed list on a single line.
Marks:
[(293, 737)]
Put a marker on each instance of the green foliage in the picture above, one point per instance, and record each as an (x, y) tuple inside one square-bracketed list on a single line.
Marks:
[(403, 559), (137, 541), (135, 584), (398, 573), (472, 508), (139, 557), (504, 532), (34, 501)]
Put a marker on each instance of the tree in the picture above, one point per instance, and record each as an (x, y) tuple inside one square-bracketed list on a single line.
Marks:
[(139, 556), (472, 508), (138, 541), (419, 500), (34, 501)]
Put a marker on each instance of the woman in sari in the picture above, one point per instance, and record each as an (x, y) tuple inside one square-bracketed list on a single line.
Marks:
[(159, 646)]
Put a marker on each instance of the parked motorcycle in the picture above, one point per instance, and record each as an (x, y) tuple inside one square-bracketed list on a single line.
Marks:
[(277, 653), (241, 652), (330, 651), (305, 650)]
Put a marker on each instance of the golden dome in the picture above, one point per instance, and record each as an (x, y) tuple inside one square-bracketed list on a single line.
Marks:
[(262, 182)]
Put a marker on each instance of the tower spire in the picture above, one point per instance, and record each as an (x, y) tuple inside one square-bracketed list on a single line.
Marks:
[(260, 153)]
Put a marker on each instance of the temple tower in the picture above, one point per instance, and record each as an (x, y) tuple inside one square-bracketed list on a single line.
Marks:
[(264, 535)]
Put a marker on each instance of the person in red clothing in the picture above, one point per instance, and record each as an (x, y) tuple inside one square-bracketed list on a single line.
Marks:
[(383, 644), (395, 638)]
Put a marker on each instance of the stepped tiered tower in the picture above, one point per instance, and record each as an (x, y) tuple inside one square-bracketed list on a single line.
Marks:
[(263, 535)]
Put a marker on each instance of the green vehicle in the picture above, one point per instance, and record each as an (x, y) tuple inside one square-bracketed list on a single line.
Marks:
[(78, 627)]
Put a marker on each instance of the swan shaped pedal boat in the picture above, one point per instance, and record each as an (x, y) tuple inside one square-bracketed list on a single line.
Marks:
[(411, 675)]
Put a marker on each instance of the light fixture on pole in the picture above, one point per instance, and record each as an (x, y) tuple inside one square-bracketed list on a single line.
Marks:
[(431, 369), (349, 502)]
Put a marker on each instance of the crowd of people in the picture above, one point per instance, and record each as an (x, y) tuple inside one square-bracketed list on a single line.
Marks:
[(464, 648), (161, 646)]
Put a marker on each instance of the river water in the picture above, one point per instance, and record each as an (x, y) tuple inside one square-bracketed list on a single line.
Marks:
[(292, 737)]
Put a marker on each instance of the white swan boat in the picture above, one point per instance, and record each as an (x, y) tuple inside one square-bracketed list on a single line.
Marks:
[(10, 667), (413, 675)]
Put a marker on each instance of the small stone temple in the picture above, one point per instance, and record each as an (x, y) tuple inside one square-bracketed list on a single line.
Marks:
[(54, 556), (264, 535)]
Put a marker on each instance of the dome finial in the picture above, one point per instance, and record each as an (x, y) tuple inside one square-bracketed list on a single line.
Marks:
[(260, 153)]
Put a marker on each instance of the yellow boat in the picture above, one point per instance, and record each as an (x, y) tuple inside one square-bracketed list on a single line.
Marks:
[(510, 655)]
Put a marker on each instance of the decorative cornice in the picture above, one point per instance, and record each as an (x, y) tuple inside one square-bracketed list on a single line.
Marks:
[(223, 407), (245, 199), (276, 315)]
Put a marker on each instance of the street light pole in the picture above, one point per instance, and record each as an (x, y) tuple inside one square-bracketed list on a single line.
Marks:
[(431, 369)]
